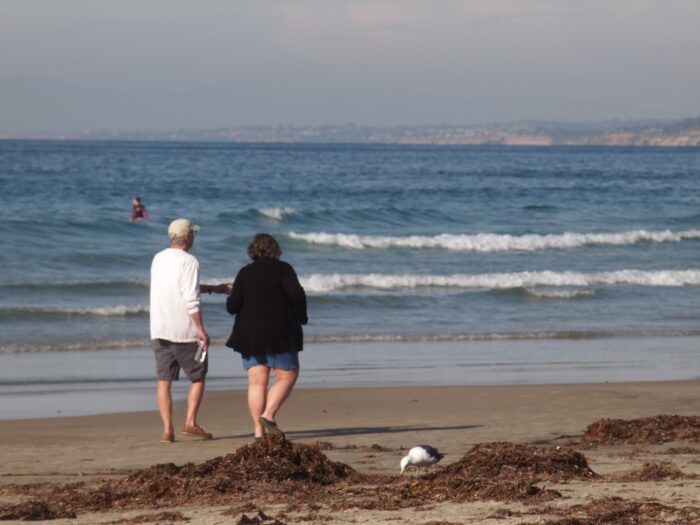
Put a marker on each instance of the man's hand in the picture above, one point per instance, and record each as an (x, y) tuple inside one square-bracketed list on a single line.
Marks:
[(203, 339), (224, 288)]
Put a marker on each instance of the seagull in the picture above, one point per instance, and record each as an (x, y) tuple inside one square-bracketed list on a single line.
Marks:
[(421, 456)]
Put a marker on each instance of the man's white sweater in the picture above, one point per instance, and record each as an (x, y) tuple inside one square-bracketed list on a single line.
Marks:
[(174, 295)]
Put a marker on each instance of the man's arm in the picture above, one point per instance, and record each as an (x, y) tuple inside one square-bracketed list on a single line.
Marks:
[(190, 294), (216, 288), (202, 336)]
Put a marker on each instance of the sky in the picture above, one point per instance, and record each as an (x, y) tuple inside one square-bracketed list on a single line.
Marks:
[(153, 65)]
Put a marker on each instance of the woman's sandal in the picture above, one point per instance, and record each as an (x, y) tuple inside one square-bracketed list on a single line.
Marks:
[(270, 426)]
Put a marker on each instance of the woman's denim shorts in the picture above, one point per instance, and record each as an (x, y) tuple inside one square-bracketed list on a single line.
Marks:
[(284, 361)]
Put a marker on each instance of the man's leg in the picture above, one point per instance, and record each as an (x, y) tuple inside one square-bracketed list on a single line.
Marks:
[(196, 372), (194, 400), (165, 405), (258, 378), (279, 392)]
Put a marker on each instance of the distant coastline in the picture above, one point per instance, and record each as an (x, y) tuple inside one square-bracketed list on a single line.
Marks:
[(661, 133)]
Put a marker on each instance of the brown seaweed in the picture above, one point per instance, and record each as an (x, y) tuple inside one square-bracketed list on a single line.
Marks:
[(651, 430)]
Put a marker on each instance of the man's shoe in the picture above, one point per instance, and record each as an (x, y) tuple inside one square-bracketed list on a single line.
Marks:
[(196, 432)]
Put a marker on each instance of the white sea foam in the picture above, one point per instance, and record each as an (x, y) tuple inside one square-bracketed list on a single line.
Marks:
[(116, 310), (119, 284), (559, 293), (325, 283), (139, 344), (276, 214), (102, 311), (491, 242), (496, 336)]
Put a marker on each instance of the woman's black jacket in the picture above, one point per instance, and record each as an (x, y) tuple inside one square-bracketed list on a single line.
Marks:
[(270, 307)]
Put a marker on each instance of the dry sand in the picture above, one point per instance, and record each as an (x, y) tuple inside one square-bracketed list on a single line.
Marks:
[(350, 422)]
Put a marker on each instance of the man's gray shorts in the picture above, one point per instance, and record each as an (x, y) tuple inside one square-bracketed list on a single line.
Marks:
[(170, 357)]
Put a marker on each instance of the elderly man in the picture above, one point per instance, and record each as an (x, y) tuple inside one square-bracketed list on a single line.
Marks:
[(177, 327)]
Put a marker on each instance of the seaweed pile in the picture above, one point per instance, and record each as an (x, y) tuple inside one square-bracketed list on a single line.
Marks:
[(618, 511), (161, 518), (259, 519), (36, 511), (288, 467), (282, 466), (651, 430), (496, 471), (654, 471), (674, 451), (521, 460)]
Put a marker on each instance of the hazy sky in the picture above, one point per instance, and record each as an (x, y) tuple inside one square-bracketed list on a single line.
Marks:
[(155, 65)]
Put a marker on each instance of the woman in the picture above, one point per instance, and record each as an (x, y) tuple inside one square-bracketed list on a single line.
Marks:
[(270, 307)]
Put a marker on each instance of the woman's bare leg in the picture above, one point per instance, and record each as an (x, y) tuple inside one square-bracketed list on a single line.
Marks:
[(258, 378), (279, 392)]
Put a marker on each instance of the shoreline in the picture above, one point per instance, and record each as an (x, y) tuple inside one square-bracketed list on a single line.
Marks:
[(63, 384)]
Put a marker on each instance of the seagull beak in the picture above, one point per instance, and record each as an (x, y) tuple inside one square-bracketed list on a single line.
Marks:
[(402, 472)]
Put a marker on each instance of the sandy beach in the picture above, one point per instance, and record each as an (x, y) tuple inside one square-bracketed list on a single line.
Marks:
[(369, 430)]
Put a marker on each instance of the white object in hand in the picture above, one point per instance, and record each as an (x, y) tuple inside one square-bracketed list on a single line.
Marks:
[(201, 354)]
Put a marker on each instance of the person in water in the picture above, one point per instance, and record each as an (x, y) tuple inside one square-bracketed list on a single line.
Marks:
[(138, 210)]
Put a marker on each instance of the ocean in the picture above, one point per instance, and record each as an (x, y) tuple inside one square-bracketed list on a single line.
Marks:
[(436, 256)]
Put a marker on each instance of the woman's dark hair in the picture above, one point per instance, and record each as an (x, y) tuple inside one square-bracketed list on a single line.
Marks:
[(264, 245)]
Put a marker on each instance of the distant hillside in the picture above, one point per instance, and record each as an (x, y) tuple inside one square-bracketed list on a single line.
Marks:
[(683, 133)]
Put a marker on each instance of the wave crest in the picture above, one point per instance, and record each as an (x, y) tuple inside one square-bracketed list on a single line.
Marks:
[(559, 293), (276, 214), (78, 286), (99, 311), (491, 242), (325, 283)]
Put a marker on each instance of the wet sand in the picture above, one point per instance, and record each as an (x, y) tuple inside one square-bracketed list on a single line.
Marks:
[(452, 419)]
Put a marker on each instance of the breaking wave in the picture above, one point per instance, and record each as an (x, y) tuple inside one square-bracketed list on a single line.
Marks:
[(491, 242), (99, 311), (559, 293), (276, 214), (78, 286), (325, 283)]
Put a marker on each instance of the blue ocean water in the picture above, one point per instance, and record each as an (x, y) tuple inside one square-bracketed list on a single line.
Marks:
[(392, 243), (423, 265)]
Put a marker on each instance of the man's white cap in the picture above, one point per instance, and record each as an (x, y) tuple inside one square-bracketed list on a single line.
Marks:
[(180, 228)]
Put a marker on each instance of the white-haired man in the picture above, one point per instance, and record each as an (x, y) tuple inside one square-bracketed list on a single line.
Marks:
[(177, 327)]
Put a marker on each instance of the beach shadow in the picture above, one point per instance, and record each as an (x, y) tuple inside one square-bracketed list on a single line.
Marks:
[(358, 431)]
